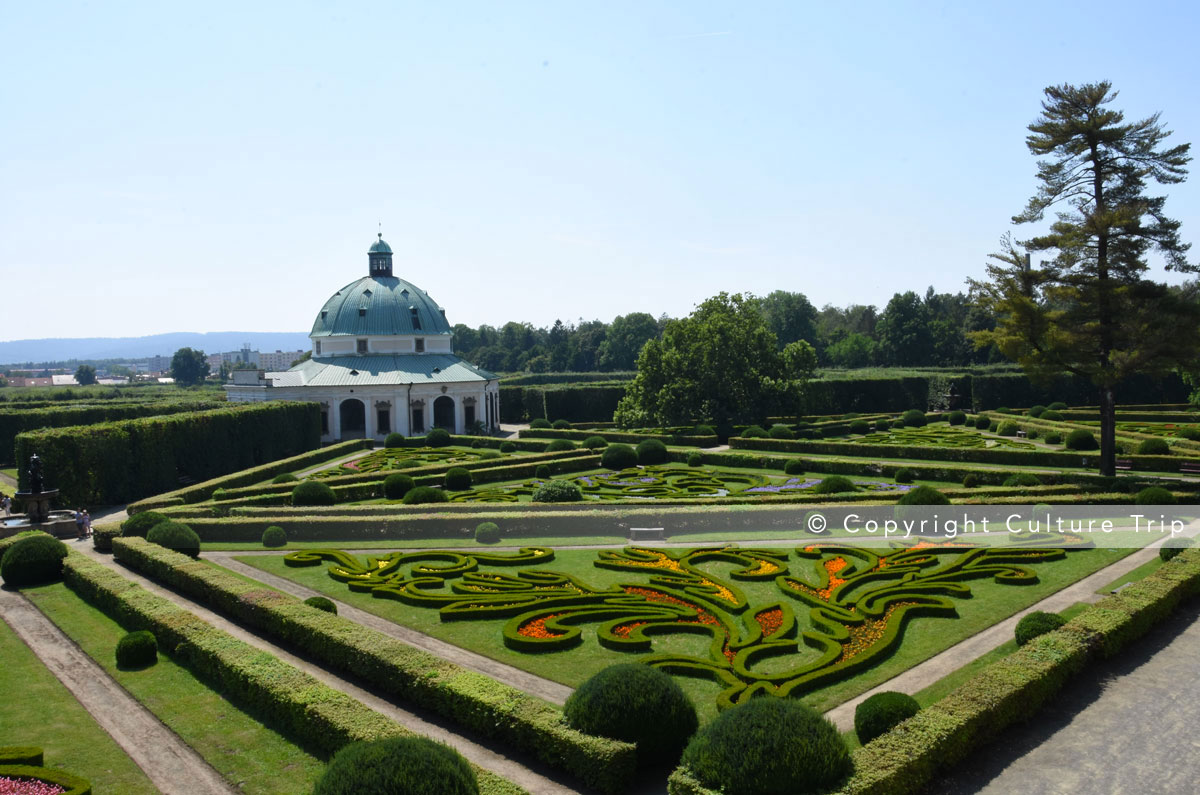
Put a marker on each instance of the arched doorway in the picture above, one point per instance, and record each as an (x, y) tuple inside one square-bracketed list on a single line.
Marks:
[(443, 413), (354, 419)]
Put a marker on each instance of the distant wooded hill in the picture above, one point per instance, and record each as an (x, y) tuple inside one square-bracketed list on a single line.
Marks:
[(61, 350)]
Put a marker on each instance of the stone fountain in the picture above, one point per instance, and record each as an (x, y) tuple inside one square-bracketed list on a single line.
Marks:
[(38, 515)]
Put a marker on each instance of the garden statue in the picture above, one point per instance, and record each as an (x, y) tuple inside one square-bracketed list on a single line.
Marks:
[(35, 474)]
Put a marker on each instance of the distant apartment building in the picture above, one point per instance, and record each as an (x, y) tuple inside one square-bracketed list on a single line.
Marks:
[(279, 360)]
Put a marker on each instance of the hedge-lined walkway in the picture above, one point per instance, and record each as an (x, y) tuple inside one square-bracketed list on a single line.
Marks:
[(167, 760), (534, 778), (1128, 726)]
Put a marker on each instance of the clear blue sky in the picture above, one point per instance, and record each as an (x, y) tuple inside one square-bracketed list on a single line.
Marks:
[(223, 166)]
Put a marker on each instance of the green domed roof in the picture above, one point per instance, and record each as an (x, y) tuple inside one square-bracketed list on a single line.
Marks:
[(380, 306), (379, 246)]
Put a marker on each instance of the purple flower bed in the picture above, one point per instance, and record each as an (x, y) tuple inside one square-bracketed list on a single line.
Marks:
[(791, 485)]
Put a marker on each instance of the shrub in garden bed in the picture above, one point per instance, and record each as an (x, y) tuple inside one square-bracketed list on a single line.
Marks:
[(1007, 428), (594, 443), (557, 491), (274, 536), (1172, 548), (284, 477), (754, 432), (1050, 415), (781, 432), (487, 533), (1154, 495), (438, 437), (558, 445), (924, 495), (705, 430), (971, 481), (794, 466), (904, 475), (396, 485), (983, 422), (695, 460), (458, 479), (638, 704), (397, 766), (312, 492), (1154, 446), (1036, 411), (1052, 437), (956, 418), (508, 447), (651, 451), (421, 495), (540, 423), (1037, 623), (913, 418), (769, 745), (137, 650), (32, 561), (542, 472), (618, 457), (1058, 405), (321, 603), (860, 427), (1081, 439), (1023, 479), (139, 524), (881, 712), (835, 484), (1191, 434), (561, 425), (175, 536), (882, 424), (393, 440)]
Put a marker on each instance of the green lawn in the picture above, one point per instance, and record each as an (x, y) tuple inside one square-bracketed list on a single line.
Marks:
[(923, 638), (252, 757), (38, 710)]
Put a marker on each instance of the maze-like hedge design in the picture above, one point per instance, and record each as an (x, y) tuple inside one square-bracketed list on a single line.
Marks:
[(399, 458), (662, 482), (943, 436), (853, 602)]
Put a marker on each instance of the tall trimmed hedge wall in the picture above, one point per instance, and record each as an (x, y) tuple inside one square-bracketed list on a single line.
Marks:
[(573, 402), (115, 462), (18, 419)]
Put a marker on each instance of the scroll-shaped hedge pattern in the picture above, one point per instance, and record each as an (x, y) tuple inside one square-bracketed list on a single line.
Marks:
[(847, 606)]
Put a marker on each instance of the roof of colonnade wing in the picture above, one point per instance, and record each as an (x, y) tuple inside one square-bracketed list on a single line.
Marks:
[(382, 370)]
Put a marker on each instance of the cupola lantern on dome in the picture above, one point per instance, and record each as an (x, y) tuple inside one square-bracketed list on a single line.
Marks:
[(380, 257)]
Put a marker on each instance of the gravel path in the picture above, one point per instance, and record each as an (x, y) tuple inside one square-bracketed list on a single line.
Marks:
[(167, 760), (529, 774)]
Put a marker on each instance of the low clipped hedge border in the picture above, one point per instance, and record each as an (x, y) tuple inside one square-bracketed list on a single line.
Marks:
[(21, 755), (906, 759), (203, 491), (628, 437), (293, 701), (473, 700), (72, 785)]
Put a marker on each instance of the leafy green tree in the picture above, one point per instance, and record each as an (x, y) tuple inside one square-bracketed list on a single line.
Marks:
[(905, 338), (85, 374), (189, 367), (1088, 310), (719, 364), (856, 350), (626, 336), (790, 316)]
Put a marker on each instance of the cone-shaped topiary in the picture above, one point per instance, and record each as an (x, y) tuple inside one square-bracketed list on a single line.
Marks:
[(32, 561), (769, 746), (396, 485), (321, 603), (1037, 623), (137, 650), (420, 495), (274, 536), (175, 536), (487, 533), (879, 713), (140, 523), (458, 479), (637, 704), (651, 451), (835, 484), (313, 492), (397, 766), (557, 491), (618, 457)]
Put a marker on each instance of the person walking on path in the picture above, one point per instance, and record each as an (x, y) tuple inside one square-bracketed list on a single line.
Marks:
[(6, 502), (79, 530), (87, 524)]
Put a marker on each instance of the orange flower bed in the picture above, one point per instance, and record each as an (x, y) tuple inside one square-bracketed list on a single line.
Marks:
[(770, 621), (868, 633), (702, 615), (537, 628)]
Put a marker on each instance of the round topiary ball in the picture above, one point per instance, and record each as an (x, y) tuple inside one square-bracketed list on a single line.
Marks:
[(487, 533), (1172, 548), (913, 418), (1154, 446), (971, 481), (705, 430), (140, 523), (983, 422), (560, 425), (557, 491), (32, 561), (882, 711), (923, 495), (1081, 439), (540, 423), (781, 432), (394, 440), (651, 451), (695, 460), (1191, 434), (1037, 623), (508, 447), (956, 418), (794, 466), (754, 432), (882, 424), (321, 603), (397, 766), (1008, 428), (421, 495), (1154, 495), (638, 704), (137, 650), (904, 475), (274, 536), (618, 457), (1058, 405), (558, 445), (284, 477), (835, 484), (1036, 411), (312, 492), (458, 479), (595, 443), (438, 437), (1052, 437), (1022, 479), (396, 485), (860, 427), (175, 536), (1051, 415), (769, 746), (542, 472)]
